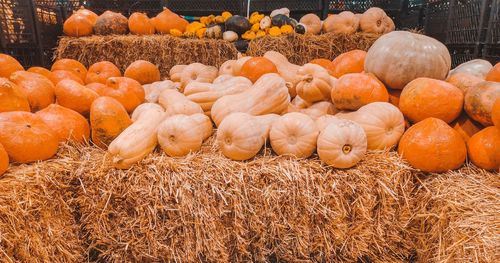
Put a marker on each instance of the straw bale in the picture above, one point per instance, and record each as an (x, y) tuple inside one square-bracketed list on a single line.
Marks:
[(37, 222)]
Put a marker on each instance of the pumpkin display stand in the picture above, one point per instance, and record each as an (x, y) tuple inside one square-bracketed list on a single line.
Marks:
[(205, 207), (167, 51)]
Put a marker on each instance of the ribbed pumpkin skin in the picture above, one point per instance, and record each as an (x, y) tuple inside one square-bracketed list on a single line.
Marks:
[(60, 75), (38, 89), (12, 97), (483, 148), (68, 124), (255, 67), (314, 83), (111, 23), (125, 90), (198, 72), (343, 23), (4, 160), (475, 67), (143, 71), (108, 118), (78, 25), (479, 101), (175, 72), (294, 134), (433, 146), (495, 113), (140, 24)]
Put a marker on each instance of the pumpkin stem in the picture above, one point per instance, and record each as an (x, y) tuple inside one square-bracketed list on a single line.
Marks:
[(346, 148)]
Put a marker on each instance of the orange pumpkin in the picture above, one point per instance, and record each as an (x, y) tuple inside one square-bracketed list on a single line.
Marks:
[(73, 95), (255, 67), (100, 72), (349, 62), (463, 81), (26, 138), (140, 24), (38, 89), (125, 90), (78, 25), (354, 90), (68, 124), (495, 113), (494, 73), (12, 97), (325, 63), (59, 75), (42, 71), (4, 160), (394, 95), (168, 20), (483, 148), (424, 97), (70, 65), (143, 71), (479, 101), (87, 13), (108, 118), (433, 146), (97, 87), (9, 65), (466, 126)]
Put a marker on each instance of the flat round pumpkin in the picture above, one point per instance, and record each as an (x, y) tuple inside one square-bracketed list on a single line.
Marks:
[(255, 67), (431, 145), (424, 98), (70, 65), (68, 124), (9, 65), (100, 72), (374, 21), (60, 75), (466, 126), (483, 148), (349, 62), (479, 101), (12, 97), (73, 95), (143, 71), (354, 90), (294, 134), (108, 118), (26, 138), (140, 24), (4, 160), (38, 89), (494, 73), (463, 81)]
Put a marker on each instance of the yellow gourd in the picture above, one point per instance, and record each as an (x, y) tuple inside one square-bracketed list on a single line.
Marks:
[(249, 35), (175, 32), (200, 32), (226, 15), (275, 31), (255, 28), (260, 33), (287, 29)]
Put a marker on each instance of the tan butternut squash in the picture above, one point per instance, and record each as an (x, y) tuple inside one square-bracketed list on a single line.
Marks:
[(319, 109), (138, 140), (175, 72), (154, 89), (268, 95), (227, 67), (287, 70), (175, 102)]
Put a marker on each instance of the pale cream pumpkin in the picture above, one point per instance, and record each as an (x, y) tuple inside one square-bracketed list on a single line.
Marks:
[(224, 77), (343, 23), (319, 109), (323, 121), (175, 72), (314, 83), (312, 23), (342, 144), (374, 21), (198, 72), (399, 57), (175, 102), (268, 95), (227, 67), (475, 67), (240, 135), (137, 140), (181, 134), (288, 71), (154, 89), (145, 107), (294, 134)]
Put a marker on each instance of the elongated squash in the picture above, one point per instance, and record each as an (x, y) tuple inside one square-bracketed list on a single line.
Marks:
[(138, 140), (154, 89), (288, 71), (176, 72), (240, 136), (268, 95), (175, 102), (227, 67), (181, 134)]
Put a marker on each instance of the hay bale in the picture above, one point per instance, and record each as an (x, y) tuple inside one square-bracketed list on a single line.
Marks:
[(37, 223), (163, 50), (457, 217), (206, 207), (300, 49)]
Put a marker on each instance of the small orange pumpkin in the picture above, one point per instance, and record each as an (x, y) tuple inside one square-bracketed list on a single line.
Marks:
[(143, 71), (87, 13), (325, 63), (424, 97), (101, 71), (255, 67), (463, 81), (349, 62), (354, 90), (26, 138), (12, 97), (466, 126), (68, 124), (4, 160), (168, 20), (483, 148), (38, 89), (125, 90), (479, 101), (140, 24), (70, 65), (78, 25), (494, 73), (42, 71), (108, 118), (433, 146), (73, 95), (9, 65), (60, 75)]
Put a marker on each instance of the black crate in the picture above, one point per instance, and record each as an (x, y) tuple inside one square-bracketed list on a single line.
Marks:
[(267, 6), (204, 7), (493, 34), (48, 24), (492, 53), (30, 56), (411, 18), (436, 19), (337, 6), (463, 53), (126, 7), (17, 23), (468, 21)]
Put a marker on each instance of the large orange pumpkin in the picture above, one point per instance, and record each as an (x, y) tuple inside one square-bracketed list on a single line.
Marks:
[(494, 73), (125, 90), (463, 81), (38, 89), (100, 72), (424, 97), (168, 20), (354, 90), (70, 65), (479, 101), (484, 148), (26, 138), (4, 160), (433, 146), (140, 24), (255, 67), (143, 71), (78, 25), (495, 113), (87, 13), (325, 63), (108, 118), (466, 126), (75, 96), (59, 75), (42, 71), (12, 97), (349, 62), (68, 124), (8, 66)]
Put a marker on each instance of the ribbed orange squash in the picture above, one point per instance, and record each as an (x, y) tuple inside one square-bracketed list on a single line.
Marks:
[(108, 118), (325, 63), (68, 124), (70, 65), (495, 113), (59, 75), (125, 90), (479, 101), (349, 62), (4, 160), (12, 98), (38, 89), (42, 71), (354, 90), (483, 148), (9, 65)]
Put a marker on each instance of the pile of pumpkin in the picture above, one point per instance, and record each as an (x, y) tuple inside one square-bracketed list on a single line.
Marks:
[(340, 108)]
